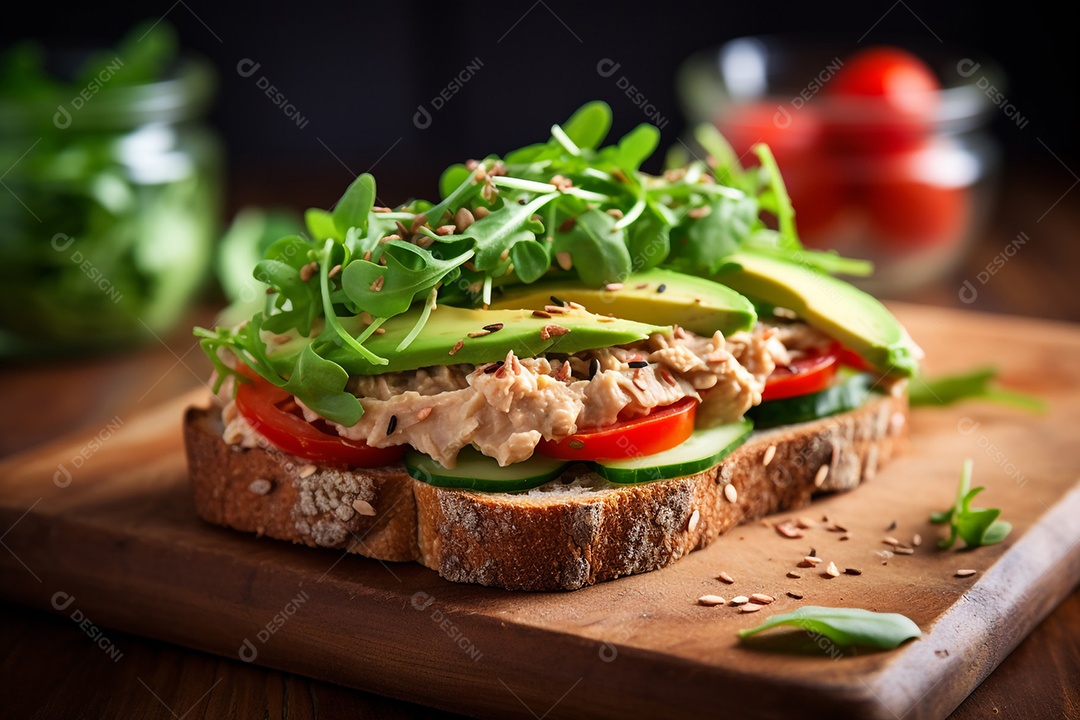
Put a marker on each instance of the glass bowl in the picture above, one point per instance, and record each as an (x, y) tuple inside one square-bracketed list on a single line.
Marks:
[(907, 191)]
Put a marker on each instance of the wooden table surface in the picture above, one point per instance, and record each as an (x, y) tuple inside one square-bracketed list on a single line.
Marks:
[(51, 669)]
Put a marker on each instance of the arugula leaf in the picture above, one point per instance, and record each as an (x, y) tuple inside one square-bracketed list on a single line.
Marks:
[(636, 147), (410, 272), (588, 127), (320, 225), (354, 207), (846, 626), (597, 248), (779, 201), (492, 234), (977, 384), (700, 245), (976, 526), (320, 384), (296, 301)]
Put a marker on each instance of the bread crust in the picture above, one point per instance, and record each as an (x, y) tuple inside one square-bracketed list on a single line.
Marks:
[(573, 532)]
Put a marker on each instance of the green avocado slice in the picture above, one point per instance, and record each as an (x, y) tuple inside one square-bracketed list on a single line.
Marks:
[(658, 296), (833, 306), (445, 338)]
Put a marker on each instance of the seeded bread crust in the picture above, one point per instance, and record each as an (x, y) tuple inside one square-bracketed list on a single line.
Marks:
[(574, 531)]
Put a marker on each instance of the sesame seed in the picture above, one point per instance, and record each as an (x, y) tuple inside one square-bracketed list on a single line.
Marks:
[(556, 301), (378, 284), (380, 331), (479, 333), (810, 561), (493, 367), (966, 572), (711, 600), (565, 261), (307, 471), (308, 271), (852, 571), (661, 288), (392, 425), (457, 346), (594, 367), (422, 413), (762, 598), (494, 327), (793, 575), (638, 363), (541, 314), (749, 608), (550, 331), (845, 536), (831, 571), (260, 486), (804, 522), (793, 594), (916, 540), (463, 219), (613, 287), (888, 540), (725, 577), (740, 600), (555, 309), (363, 507), (731, 493), (770, 453), (576, 444), (692, 524), (904, 550), (822, 473), (334, 270), (892, 526), (813, 552)]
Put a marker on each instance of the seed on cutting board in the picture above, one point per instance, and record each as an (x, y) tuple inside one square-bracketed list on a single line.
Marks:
[(892, 526), (788, 530), (810, 561), (845, 536), (916, 540), (711, 600), (852, 571), (794, 594), (794, 575), (831, 571), (307, 471), (966, 572), (822, 473), (725, 577), (740, 600), (890, 541), (762, 598), (750, 607), (804, 523), (904, 550), (695, 516)]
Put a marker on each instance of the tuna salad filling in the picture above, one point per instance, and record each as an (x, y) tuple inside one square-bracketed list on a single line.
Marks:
[(505, 408)]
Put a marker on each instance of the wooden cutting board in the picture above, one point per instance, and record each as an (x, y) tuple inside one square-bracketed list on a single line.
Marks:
[(101, 527)]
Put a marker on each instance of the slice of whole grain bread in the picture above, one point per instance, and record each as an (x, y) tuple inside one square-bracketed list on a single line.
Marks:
[(574, 531)]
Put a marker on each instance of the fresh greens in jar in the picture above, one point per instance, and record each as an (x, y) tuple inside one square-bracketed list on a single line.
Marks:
[(110, 190)]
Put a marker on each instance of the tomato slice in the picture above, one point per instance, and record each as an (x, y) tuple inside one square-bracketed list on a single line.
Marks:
[(809, 374), (660, 430), (261, 404)]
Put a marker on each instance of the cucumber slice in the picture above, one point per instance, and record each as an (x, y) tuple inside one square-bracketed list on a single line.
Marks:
[(702, 450), (849, 393), (477, 471)]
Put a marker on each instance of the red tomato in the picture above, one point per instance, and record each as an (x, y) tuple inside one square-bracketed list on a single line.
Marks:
[(914, 213), (819, 196), (806, 375), (853, 360), (787, 132), (886, 98), (660, 430), (261, 405)]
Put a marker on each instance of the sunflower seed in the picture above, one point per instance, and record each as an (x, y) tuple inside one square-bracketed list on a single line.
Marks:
[(711, 600)]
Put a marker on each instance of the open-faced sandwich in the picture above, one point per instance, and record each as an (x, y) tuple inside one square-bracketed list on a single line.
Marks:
[(564, 371)]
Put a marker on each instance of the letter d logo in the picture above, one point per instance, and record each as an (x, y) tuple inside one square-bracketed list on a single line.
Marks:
[(61, 118), (968, 293), (782, 118), (422, 118), (247, 651)]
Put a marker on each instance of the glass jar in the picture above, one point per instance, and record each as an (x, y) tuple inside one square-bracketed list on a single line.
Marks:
[(863, 179), (108, 211)]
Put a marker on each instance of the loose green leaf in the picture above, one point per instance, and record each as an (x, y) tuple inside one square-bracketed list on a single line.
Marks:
[(846, 626), (976, 526), (636, 147), (354, 207), (977, 384)]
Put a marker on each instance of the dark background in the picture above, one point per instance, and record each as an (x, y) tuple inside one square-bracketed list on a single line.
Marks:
[(357, 73)]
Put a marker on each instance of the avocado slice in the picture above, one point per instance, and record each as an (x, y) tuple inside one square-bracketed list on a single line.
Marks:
[(521, 331), (838, 309), (657, 296)]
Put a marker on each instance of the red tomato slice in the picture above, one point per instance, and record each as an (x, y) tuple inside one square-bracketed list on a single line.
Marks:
[(806, 375), (259, 402), (660, 430), (854, 360)]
